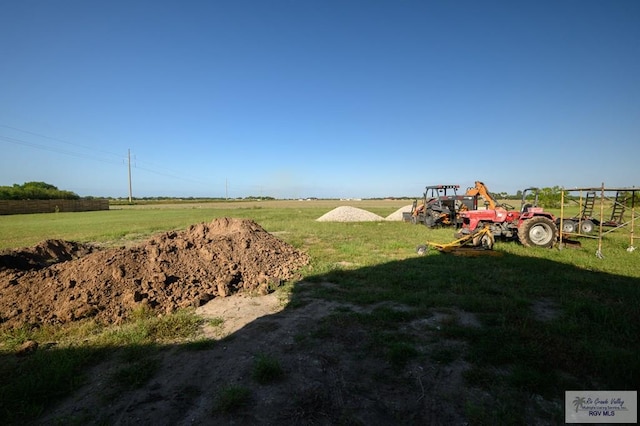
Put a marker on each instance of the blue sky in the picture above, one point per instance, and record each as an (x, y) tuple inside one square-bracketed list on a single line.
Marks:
[(318, 98)]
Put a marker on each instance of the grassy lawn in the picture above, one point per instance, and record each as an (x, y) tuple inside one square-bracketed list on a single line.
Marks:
[(547, 320)]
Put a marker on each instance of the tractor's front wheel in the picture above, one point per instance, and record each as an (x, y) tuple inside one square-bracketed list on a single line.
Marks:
[(539, 231), (429, 221)]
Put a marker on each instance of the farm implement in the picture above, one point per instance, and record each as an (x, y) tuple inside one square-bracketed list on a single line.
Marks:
[(477, 243)]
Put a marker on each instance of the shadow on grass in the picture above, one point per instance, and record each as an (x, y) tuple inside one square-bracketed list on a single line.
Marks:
[(427, 340)]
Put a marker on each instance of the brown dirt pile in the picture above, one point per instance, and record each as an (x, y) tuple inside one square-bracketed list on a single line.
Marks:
[(61, 281)]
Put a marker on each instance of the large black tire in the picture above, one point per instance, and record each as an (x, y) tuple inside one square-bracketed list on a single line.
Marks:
[(539, 231), (587, 226), (569, 226), (429, 221)]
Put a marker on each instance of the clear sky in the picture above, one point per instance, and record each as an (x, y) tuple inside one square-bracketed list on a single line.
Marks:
[(318, 98)]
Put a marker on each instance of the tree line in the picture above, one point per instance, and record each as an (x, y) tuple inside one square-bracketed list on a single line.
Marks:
[(35, 191)]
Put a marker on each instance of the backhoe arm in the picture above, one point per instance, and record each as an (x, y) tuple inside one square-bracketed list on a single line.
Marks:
[(481, 189)]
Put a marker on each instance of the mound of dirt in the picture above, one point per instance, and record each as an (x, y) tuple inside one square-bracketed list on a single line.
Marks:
[(42, 255), (60, 281), (349, 214)]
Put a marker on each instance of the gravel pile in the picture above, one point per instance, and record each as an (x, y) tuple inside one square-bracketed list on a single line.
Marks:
[(397, 215), (349, 214)]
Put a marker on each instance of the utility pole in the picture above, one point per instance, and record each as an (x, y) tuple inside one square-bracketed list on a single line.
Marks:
[(226, 189), (129, 161)]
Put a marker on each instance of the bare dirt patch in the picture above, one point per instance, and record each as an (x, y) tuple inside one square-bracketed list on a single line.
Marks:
[(329, 379)]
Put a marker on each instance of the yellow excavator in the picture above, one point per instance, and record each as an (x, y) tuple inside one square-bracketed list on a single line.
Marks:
[(481, 190), (440, 206)]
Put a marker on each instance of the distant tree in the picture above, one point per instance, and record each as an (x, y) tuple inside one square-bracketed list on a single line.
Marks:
[(35, 191), (550, 197), (262, 198), (631, 198)]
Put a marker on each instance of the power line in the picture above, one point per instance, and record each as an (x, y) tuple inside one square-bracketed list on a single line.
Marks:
[(17, 141), (165, 172), (61, 140)]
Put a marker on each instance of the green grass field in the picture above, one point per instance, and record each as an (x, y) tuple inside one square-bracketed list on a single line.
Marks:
[(550, 320)]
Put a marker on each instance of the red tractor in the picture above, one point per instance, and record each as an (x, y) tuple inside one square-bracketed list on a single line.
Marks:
[(531, 225)]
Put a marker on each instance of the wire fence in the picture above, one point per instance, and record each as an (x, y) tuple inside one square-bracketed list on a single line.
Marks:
[(8, 207)]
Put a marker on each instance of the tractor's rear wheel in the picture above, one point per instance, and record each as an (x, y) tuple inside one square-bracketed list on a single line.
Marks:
[(539, 231)]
